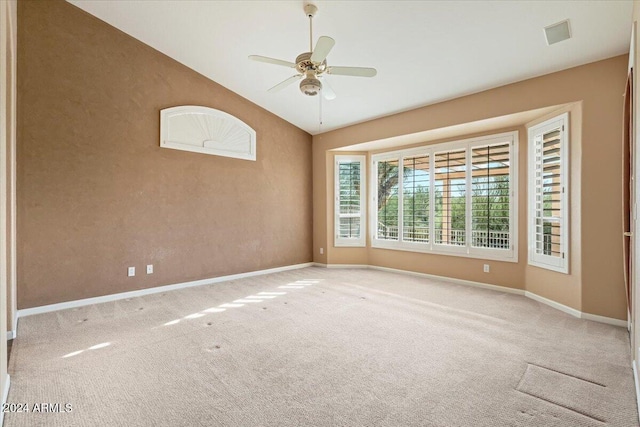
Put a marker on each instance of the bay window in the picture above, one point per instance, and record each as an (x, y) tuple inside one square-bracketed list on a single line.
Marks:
[(453, 198)]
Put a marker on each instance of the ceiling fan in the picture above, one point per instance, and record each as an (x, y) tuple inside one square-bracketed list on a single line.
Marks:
[(312, 66)]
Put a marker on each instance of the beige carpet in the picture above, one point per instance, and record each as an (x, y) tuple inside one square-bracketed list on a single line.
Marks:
[(318, 347)]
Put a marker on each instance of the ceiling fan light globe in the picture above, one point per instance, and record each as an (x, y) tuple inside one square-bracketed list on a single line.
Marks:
[(310, 86)]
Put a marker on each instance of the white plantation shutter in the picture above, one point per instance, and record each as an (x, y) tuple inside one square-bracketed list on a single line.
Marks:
[(491, 196), (548, 175), (548, 194), (349, 201), (415, 196), (450, 191), (387, 198)]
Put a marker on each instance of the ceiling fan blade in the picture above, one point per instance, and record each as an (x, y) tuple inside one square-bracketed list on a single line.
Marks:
[(352, 71), (285, 83), (327, 90), (272, 61), (322, 49)]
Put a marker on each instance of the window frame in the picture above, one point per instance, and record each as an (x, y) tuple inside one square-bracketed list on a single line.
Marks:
[(509, 255), (345, 241), (559, 264)]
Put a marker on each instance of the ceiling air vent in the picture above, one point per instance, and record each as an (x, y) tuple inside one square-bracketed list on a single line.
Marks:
[(557, 32)]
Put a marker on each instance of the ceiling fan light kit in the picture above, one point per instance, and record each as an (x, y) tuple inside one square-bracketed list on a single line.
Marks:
[(311, 66), (310, 86)]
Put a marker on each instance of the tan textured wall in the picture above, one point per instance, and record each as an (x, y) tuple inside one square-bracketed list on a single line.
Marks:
[(321, 190), (598, 87), (97, 194)]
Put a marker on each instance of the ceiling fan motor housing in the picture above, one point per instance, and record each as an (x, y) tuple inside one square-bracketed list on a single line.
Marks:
[(304, 64)]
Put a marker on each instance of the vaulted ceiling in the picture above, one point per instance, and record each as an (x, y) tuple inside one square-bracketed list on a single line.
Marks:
[(424, 51)]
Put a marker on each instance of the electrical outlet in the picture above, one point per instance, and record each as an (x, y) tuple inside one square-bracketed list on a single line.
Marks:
[(131, 271), (149, 268), (321, 251), (486, 268)]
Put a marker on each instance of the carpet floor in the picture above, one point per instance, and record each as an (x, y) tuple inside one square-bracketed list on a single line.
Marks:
[(321, 347)]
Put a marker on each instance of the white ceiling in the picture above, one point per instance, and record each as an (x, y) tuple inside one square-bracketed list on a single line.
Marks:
[(425, 51)]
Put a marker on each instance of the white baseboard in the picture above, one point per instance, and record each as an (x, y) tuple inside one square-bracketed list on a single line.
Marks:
[(318, 264), (577, 313), (13, 332), (603, 319), (428, 276), (132, 294), (452, 280), (554, 304), (5, 396), (564, 308)]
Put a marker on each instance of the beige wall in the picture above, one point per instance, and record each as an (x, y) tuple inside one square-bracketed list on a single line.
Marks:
[(594, 90), (96, 193)]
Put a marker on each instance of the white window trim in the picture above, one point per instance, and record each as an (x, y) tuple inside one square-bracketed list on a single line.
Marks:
[(343, 241), (538, 260), (467, 251)]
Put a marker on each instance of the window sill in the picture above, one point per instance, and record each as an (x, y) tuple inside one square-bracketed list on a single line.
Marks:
[(557, 268), (448, 250), (349, 244)]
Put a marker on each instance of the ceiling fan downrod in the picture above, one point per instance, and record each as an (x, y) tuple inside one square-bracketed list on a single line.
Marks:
[(311, 11), (310, 85)]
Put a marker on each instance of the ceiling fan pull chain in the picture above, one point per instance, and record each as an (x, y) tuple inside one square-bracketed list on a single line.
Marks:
[(320, 118)]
